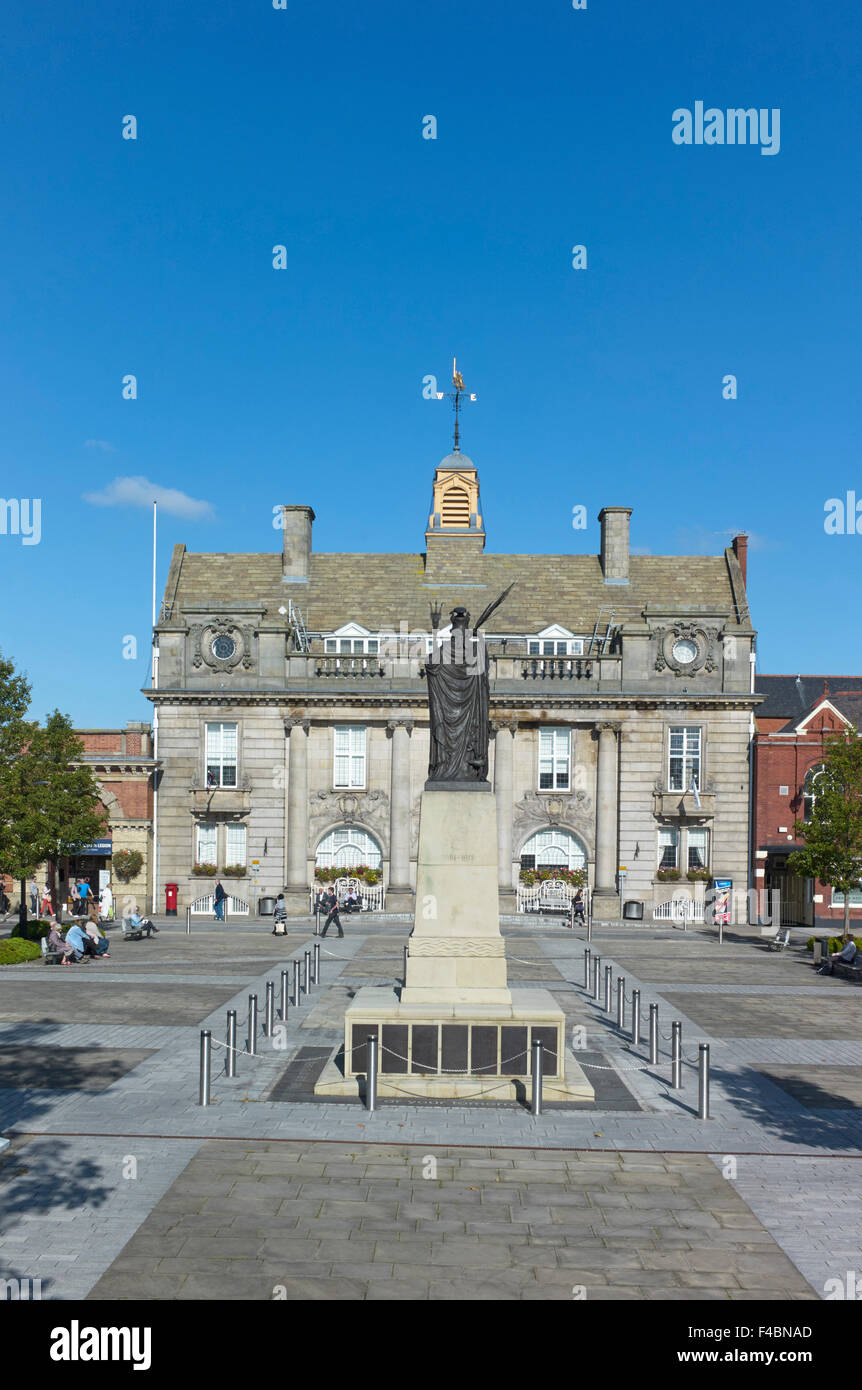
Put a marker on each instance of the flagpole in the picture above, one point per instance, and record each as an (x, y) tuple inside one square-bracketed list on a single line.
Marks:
[(155, 686)]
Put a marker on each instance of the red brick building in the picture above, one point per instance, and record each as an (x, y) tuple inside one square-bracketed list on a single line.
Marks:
[(122, 763), (792, 722)]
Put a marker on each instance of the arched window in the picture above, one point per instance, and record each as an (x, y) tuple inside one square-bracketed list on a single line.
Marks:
[(346, 847), (553, 848), (809, 790)]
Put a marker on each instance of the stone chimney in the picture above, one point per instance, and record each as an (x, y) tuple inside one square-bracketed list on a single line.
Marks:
[(740, 550), (296, 554), (614, 522)]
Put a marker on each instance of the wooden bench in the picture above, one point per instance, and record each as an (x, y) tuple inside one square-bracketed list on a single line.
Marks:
[(779, 943), (131, 933), (49, 955)]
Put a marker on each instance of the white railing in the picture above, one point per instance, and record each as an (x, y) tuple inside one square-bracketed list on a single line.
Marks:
[(371, 895), (234, 907), (679, 910), (549, 893)]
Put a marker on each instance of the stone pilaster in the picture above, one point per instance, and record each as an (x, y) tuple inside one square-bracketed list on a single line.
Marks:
[(504, 743), (399, 894), (606, 900), (296, 892)]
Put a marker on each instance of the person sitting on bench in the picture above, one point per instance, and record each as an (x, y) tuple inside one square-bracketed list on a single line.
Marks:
[(847, 955), (100, 942), (142, 924), (57, 945), (82, 946)]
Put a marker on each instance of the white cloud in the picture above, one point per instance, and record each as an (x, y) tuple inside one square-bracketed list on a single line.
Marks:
[(140, 492), (99, 444), (640, 550)]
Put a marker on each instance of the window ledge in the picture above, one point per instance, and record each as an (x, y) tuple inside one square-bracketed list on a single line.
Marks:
[(219, 799), (682, 806)]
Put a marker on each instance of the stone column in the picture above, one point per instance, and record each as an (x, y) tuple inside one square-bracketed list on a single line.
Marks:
[(399, 894), (606, 901), (296, 895), (504, 746)]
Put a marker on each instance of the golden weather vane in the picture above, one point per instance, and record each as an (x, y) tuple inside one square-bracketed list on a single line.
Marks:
[(457, 397)]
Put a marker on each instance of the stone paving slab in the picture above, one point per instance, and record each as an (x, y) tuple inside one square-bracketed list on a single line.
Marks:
[(733, 1015), (819, 1087), (264, 1222), (69, 1206), (753, 1115), (106, 1001), (66, 1069)]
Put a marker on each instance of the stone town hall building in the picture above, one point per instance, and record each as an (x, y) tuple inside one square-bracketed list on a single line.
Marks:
[(293, 719)]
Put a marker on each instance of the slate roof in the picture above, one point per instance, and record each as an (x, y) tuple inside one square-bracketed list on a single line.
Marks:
[(380, 591), (792, 697)]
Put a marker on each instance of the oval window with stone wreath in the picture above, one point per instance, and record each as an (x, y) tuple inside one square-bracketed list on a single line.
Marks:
[(684, 650), (221, 644)]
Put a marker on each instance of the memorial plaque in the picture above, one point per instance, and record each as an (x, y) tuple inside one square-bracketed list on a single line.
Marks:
[(394, 1040), (484, 1050), (358, 1060), (513, 1052), (548, 1038), (454, 1047), (425, 1048)]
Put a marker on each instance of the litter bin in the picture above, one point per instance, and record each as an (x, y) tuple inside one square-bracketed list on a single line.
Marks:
[(633, 910), (265, 907), (171, 890)]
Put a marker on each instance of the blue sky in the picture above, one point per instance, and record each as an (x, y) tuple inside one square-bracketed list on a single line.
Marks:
[(602, 386)]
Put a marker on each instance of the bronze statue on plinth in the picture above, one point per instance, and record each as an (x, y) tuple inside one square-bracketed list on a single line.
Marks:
[(458, 701)]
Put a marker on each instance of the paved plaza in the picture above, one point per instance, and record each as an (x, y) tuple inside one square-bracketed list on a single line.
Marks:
[(117, 1184)]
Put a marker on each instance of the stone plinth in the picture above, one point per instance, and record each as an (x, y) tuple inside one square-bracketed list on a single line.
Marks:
[(456, 1030), (455, 954)]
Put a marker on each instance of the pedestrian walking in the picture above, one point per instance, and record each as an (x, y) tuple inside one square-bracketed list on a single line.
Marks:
[(220, 896), (47, 906), (34, 897), (330, 902), (84, 891)]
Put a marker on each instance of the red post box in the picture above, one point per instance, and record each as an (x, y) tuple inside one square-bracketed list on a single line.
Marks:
[(171, 899)]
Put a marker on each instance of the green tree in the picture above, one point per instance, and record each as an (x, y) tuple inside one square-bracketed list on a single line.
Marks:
[(833, 835), (15, 733), (48, 807)]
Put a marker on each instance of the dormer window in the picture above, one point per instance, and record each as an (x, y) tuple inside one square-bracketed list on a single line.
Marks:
[(351, 640), (555, 641)]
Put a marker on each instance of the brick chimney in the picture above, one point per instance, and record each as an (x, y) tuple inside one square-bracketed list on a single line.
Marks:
[(740, 550), (614, 557), (296, 553)]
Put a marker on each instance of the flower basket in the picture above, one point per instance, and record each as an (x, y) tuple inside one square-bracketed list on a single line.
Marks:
[(205, 870), (668, 875), (234, 870), (127, 864), (577, 878), (698, 875)]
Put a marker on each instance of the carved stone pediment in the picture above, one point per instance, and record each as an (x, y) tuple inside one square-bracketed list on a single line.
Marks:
[(364, 808), (535, 811), (234, 639), (704, 640)]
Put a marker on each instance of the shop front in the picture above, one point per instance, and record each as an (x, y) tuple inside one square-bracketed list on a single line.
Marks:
[(92, 864)]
